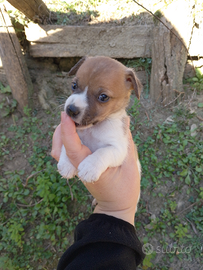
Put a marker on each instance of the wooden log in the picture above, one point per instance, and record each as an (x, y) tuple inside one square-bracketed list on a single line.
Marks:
[(169, 57), (13, 62), (77, 41), (35, 10), (113, 41), (169, 53), (158, 64)]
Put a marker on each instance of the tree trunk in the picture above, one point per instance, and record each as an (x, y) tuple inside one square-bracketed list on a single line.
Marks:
[(13, 62), (169, 51), (35, 10), (169, 57)]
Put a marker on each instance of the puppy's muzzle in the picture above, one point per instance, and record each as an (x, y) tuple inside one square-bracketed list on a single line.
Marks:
[(72, 111)]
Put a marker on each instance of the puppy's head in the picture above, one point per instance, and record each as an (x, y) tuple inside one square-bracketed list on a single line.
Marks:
[(101, 87)]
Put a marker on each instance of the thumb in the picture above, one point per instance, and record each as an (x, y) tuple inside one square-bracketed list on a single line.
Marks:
[(56, 143), (75, 150)]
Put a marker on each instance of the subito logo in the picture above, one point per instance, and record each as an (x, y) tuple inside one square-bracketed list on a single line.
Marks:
[(147, 249)]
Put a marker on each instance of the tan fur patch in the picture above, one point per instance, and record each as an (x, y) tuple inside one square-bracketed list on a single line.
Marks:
[(103, 75)]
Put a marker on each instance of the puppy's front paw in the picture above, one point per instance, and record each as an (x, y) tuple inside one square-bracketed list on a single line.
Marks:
[(66, 169), (89, 170)]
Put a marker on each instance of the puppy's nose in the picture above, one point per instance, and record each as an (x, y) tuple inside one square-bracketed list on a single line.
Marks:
[(72, 110)]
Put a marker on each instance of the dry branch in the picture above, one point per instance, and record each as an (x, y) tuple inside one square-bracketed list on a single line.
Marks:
[(35, 10)]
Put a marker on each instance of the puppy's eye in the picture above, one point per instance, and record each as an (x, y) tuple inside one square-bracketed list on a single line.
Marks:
[(103, 98), (74, 86)]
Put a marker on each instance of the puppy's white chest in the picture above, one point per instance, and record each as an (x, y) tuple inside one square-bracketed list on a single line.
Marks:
[(92, 139), (108, 142), (109, 132)]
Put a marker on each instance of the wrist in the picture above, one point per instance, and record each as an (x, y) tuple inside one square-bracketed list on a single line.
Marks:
[(127, 215)]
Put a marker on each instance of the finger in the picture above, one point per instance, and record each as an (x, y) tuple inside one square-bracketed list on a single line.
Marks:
[(56, 143), (75, 150), (70, 137)]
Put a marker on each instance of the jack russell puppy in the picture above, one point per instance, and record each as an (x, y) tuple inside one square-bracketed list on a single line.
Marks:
[(101, 91)]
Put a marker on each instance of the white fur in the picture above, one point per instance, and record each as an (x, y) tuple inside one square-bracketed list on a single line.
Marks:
[(65, 167), (108, 142), (109, 147), (80, 101)]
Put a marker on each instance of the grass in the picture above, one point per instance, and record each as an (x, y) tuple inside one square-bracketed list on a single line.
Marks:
[(197, 81), (37, 212), (172, 163), (71, 12)]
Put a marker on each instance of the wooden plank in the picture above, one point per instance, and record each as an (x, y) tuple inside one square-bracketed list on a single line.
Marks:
[(66, 41), (35, 10), (13, 62), (117, 41), (72, 34)]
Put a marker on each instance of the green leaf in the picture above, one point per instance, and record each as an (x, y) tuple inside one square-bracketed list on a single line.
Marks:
[(51, 197), (26, 192), (172, 235), (184, 172), (5, 199), (4, 90), (185, 142), (198, 169), (58, 230), (198, 73), (21, 172), (200, 105), (188, 180)]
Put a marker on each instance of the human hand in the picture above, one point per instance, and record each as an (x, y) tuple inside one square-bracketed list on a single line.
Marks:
[(117, 190)]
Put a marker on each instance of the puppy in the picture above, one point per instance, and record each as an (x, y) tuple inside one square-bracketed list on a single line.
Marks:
[(101, 91)]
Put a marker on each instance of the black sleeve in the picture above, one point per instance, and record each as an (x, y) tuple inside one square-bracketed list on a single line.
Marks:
[(103, 242)]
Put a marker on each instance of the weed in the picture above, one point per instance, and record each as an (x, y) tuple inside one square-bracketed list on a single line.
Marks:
[(197, 81), (38, 212), (181, 231), (133, 112), (158, 15), (171, 157), (8, 104), (5, 90)]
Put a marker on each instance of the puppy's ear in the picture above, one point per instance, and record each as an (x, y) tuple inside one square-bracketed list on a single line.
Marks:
[(132, 82), (75, 68)]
